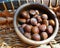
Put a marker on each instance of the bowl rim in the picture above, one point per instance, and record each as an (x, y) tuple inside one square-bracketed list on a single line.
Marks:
[(32, 42)]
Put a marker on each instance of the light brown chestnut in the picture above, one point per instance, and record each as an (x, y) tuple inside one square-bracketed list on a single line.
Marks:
[(44, 35), (44, 16), (25, 14), (46, 22), (28, 21), (28, 35), (37, 12), (32, 12), (50, 29), (27, 28), (52, 22), (35, 29), (22, 20), (42, 27), (33, 21), (39, 19), (36, 37)]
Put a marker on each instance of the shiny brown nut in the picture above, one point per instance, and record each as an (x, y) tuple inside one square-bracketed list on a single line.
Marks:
[(39, 19), (42, 27), (44, 35), (33, 21), (36, 37), (46, 22), (35, 29), (22, 20), (23, 25), (28, 35), (3, 20), (27, 28), (50, 29), (25, 14), (32, 12), (35, 16), (38, 24), (37, 12), (52, 22), (44, 16)]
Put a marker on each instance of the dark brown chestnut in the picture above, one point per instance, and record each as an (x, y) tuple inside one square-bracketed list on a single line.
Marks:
[(44, 16), (33, 12), (33, 21), (39, 19), (27, 28), (46, 22), (36, 37), (35, 29), (44, 35), (52, 22), (22, 20), (25, 14), (37, 12), (50, 29), (42, 27), (28, 35)]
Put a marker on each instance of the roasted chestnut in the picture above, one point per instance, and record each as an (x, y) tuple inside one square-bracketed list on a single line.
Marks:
[(25, 14), (32, 12), (44, 16), (28, 21), (50, 29), (42, 27), (27, 28), (37, 12), (46, 22), (21, 20), (36, 37), (52, 22), (35, 29), (39, 19), (28, 35), (44, 35), (38, 24), (33, 21)]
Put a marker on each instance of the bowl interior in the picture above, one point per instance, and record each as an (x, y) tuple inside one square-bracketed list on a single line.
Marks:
[(42, 9)]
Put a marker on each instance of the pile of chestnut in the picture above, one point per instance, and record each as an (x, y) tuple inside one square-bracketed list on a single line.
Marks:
[(35, 25)]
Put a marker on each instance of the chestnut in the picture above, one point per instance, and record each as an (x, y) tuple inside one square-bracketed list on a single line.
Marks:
[(32, 12), (50, 29), (52, 22), (33, 21), (37, 12), (36, 37), (35, 29), (42, 27), (44, 35), (27, 28), (22, 20), (25, 14), (28, 35), (23, 25), (44, 16), (39, 19), (46, 22)]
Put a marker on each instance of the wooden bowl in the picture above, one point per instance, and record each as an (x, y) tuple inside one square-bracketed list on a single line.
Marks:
[(43, 9)]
